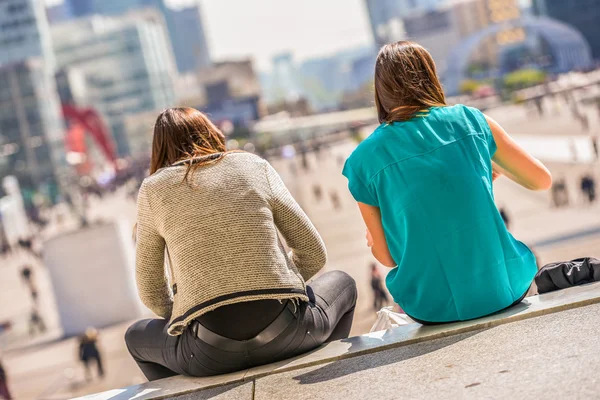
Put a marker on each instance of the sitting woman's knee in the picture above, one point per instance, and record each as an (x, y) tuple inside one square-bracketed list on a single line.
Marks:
[(347, 282), (133, 332)]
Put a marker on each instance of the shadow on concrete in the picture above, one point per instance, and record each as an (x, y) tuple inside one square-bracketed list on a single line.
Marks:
[(350, 366)]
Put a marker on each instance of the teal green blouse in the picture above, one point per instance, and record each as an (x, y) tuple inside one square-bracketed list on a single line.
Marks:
[(431, 177)]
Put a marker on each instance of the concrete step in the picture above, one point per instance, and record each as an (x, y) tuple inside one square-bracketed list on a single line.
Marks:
[(360, 346)]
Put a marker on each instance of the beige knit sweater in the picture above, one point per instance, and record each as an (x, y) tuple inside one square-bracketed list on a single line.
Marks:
[(219, 237)]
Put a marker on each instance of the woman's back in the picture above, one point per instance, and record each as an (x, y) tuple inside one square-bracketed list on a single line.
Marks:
[(431, 177), (220, 230)]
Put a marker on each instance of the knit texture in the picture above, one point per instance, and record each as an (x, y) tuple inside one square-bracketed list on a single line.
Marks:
[(218, 237)]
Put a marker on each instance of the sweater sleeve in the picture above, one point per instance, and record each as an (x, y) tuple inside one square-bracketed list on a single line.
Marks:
[(150, 274), (308, 250)]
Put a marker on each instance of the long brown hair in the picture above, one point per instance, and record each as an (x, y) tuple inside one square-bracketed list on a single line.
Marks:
[(183, 133), (406, 82)]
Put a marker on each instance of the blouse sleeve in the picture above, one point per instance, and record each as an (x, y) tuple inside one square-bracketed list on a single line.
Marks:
[(308, 250), (357, 186), (151, 278), (485, 129)]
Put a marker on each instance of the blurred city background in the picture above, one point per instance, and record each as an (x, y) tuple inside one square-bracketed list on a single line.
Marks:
[(82, 81)]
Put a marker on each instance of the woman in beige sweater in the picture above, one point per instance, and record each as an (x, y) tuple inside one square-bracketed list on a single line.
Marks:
[(211, 264)]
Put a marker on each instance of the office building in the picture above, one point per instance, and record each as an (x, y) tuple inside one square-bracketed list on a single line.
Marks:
[(185, 26), (188, 38), (121, 65), (385, 16), (31, 124), (583, 15), (84, 8), (24, 31), (58, 13)]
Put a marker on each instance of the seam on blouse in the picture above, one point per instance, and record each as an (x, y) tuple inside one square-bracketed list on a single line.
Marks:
[(419, 155)]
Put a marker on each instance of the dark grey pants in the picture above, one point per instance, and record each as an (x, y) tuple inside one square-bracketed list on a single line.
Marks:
[(327, 316)]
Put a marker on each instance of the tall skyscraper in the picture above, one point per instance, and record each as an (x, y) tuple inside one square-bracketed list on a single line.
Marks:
[(386, 16), (24, 31), (583, 15), (118, 65), (185, 26), (188, 38), (31, 124)]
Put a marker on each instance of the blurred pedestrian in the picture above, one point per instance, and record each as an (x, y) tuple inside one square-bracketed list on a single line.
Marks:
[(588, 188), (560, 196), (304, 158), (27, 276), (27, 245), (335, 200), (88, 352), (539, 106), (585, 123), (380, 297), (318, 192), (36, 322), (4, 392)]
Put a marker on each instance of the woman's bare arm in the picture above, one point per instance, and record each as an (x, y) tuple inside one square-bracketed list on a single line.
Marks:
[(515, 163), (372, 217)]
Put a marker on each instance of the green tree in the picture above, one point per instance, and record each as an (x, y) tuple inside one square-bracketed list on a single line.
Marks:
[(524, 78), (469, 86)]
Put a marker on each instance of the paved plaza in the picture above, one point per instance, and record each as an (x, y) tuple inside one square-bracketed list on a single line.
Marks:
[(49, 370)]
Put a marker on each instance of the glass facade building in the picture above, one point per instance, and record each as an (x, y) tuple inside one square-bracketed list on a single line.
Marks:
[(583, 15), (188, 38), (124, 66), (31, 124), (24, 31), (185, 26), (383, 12)]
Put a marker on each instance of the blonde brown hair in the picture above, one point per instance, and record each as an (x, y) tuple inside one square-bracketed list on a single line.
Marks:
[(181, 134), (406, 82)]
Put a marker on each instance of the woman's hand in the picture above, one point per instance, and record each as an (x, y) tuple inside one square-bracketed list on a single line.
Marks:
[(369, 238)]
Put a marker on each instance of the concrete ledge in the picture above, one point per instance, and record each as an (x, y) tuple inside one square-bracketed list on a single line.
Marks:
[(361, 345)]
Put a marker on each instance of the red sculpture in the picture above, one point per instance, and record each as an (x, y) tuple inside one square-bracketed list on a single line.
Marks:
[(87, 120)]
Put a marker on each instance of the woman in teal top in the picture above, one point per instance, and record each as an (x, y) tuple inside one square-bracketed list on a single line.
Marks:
[(423, 182)]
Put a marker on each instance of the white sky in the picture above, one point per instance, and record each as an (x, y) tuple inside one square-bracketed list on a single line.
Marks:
[(263, 28)]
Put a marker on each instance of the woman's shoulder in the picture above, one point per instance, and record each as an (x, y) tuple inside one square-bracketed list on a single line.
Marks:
[(245, 158), (242, 161)]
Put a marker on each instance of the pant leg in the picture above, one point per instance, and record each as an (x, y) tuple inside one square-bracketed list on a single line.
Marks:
[(153, 349), (335, 297), (99, 365), (564, 274), (327, 316)]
